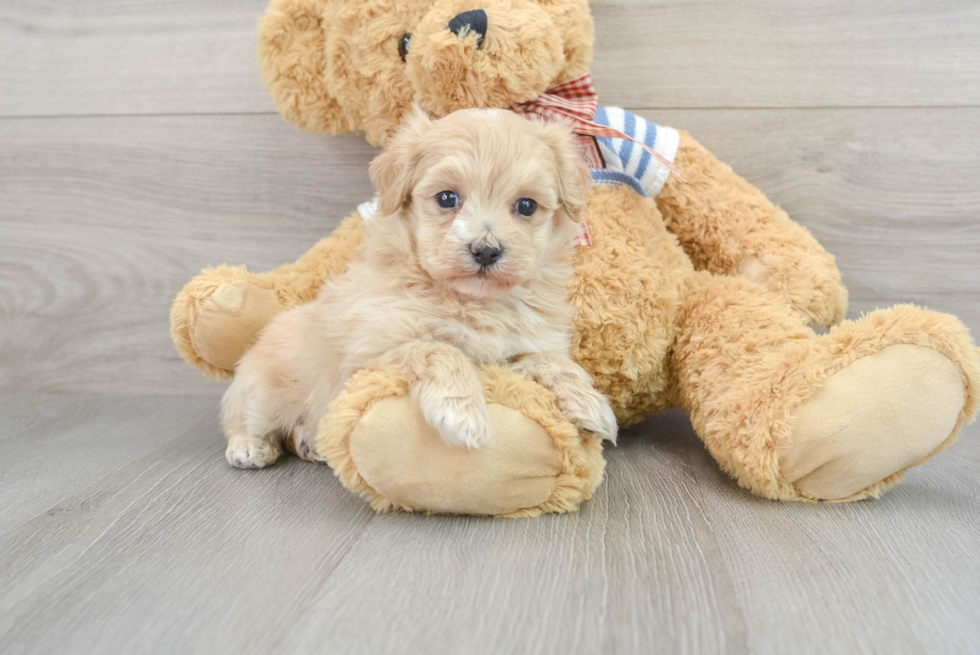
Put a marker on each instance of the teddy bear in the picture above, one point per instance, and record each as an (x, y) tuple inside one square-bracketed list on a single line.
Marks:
[(692, 290)]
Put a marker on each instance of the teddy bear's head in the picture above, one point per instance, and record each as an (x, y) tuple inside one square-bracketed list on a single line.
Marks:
[(336, 66)]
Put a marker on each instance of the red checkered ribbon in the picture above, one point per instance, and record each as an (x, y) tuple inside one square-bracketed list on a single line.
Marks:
[(576, 101)]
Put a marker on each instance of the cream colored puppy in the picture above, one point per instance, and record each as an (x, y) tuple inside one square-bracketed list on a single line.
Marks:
[(465, 264)]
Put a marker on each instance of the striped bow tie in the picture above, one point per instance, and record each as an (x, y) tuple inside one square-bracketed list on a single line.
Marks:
[(576, 102)]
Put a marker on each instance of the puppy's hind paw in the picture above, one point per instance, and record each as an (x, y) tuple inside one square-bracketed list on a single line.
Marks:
[(461, 422), (246, 452), (591, 412), (302, 443)]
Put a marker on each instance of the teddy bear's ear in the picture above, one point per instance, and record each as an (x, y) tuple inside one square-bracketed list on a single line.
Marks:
[(392, 171), (291, 60)]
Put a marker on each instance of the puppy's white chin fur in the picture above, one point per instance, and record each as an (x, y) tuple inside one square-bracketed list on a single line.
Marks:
[(481, 287), (487, 285)]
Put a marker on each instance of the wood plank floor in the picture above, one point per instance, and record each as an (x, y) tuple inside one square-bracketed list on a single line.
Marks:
[(129, 533), (138, 145)]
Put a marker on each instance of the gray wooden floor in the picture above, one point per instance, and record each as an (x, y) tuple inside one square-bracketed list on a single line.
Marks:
[(137, 145)]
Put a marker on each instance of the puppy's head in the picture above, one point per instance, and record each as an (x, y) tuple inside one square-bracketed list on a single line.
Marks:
[(488, 197)]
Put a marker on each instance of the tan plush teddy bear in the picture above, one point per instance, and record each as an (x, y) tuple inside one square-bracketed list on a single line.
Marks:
[(694, 293)]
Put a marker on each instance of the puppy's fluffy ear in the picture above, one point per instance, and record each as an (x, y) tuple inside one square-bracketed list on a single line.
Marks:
[(392, 170), (573, 171)]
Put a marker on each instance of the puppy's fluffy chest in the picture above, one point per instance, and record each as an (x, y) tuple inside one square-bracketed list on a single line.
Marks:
[(496, 330), (372, 319)]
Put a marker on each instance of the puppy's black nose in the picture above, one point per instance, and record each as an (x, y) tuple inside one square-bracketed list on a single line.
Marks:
[(484, 254), (475, 20)]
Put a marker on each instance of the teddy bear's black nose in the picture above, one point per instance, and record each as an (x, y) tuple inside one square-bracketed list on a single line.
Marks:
[(475, 20)]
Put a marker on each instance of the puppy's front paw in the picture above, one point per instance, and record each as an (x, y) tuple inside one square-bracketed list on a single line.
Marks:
[(246, 452), (460, 421), (590, 411)]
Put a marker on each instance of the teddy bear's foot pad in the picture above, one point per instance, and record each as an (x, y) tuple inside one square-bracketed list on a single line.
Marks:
[(878, 416), (404, 459), (227, 322)]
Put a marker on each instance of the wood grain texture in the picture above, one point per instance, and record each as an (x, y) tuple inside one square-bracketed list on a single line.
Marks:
[(788, 53), (105, 219), (893, 194), (170, 550), (147, 57), (130, 57), (48, 448), (174, 551)]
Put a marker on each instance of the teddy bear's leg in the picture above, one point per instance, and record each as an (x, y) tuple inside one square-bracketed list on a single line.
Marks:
[(729, 227), (218, 314), (796, 416), (380, 446)]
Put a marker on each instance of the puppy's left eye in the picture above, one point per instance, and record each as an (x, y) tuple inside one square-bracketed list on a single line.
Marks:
[(447, 199), (526, 207)]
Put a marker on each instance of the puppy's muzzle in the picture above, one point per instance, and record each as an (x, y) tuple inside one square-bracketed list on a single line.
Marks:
[(485, 254)]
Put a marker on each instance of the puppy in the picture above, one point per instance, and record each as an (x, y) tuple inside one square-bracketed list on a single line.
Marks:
[(464, 264)]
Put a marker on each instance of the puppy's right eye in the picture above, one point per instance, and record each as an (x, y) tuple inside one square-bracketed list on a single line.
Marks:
[(447, 199)]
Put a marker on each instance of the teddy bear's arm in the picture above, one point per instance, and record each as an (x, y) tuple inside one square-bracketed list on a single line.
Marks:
[(729, 227), (218, 314)]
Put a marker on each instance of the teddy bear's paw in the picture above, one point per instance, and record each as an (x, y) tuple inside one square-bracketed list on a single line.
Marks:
[(872, 419), (590, 411), (248, 452), (227, 322), (459, 420), (302, 443), (809, 283), (753, 269)]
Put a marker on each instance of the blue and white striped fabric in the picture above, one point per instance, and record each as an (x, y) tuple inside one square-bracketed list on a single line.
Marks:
[(626, 162)]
